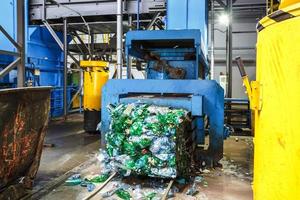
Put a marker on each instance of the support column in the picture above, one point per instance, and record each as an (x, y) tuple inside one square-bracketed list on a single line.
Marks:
[(21, 42), (65, 66), (129, 58), (119, 38), (92, 43), (229, 50), (212, 32), (138, 15)]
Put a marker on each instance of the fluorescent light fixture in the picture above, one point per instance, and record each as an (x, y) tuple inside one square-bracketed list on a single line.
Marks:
[(224, 19)]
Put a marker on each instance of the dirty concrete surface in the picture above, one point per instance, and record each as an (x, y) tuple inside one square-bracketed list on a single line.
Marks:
[(72, 146), (231, 182)]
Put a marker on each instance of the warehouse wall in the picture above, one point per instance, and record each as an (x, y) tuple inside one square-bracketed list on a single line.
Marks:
[(244, 42)]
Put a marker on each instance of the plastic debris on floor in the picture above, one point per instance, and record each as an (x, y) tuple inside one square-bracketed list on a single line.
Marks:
[(147, 140), (125, 190), (76, 179)]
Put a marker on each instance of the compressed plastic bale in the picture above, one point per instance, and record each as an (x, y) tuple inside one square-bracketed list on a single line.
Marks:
[(149, 140)]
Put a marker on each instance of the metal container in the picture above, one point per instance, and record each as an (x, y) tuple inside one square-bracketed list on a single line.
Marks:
[(95, 77), (23, 118), (277, 121)]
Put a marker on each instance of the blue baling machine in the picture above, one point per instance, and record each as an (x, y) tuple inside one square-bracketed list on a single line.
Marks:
[(176, 76)]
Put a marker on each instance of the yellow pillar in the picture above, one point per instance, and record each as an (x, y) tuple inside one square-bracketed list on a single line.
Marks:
[(95, 77), (277, 120), (285, 3)]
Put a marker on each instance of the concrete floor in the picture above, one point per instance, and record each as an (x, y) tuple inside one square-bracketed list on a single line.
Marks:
[(73, 147)]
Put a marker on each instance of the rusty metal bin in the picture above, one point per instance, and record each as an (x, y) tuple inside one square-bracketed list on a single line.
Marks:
[(23, 118)]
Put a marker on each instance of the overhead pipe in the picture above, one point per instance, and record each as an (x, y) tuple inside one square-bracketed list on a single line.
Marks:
[(119, 38)]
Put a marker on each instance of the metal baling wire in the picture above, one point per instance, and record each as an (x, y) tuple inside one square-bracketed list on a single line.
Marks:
[(85, 23)]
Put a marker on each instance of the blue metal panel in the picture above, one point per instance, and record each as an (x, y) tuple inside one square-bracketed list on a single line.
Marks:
[(193, 15), (197, 105), (174, 20), (198, 18), (160, 35)]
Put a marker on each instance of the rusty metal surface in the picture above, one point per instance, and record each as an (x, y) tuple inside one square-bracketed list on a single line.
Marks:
[(23, 117)]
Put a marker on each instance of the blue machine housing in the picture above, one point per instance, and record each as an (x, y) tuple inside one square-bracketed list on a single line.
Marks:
[(8, 21), (171, 45), (43, 54), (41, 51), (43, 57), (183, 45)]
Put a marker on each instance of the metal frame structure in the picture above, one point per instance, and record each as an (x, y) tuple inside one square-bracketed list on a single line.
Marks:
[(238, 116), (64, 47), (103, 13), (85, 16), (53, 10), (19, 62)]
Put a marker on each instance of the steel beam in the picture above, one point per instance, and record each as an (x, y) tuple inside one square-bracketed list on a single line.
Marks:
[(74, 59), (97, 22), (60, 44), (82, 43), (221, 3), (53, 34), (79, 48), (10, 67), (21, 42), (153, 20), (9, 38), (91, 8), (10, 53), (65, 47)]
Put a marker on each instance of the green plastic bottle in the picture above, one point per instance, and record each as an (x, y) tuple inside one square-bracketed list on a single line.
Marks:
[(123, 194)]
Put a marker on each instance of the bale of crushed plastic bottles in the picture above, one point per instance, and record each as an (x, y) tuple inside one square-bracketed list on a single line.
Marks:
[(149, 140)]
